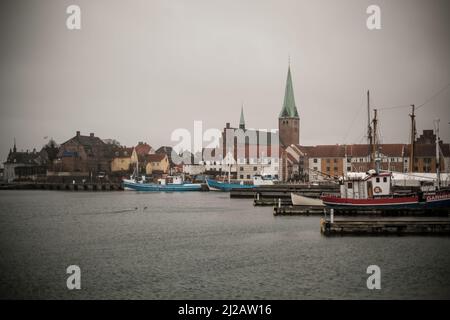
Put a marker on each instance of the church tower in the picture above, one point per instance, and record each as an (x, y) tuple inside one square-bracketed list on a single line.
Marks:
[(288, 120), (242, 120)]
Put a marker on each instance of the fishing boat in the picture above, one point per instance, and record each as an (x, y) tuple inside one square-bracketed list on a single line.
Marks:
[(170, 184), (299, 200), (374, 191), (263, 180), (258, 180), (216, 185)]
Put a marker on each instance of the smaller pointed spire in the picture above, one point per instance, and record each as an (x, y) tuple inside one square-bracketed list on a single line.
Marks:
[(14, 148), (242, 121)]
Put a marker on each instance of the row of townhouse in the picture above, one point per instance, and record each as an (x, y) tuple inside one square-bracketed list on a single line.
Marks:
[(322, 162)]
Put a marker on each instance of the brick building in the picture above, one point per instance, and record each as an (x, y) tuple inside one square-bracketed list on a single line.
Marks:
[(331, 161), (84, 155)]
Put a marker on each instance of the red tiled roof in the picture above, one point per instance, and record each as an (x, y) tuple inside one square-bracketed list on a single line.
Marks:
[(157, 157), (324, 151), (142, 148)]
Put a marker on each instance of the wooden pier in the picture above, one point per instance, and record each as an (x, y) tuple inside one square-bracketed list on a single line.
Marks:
[(282, 209), (299, 210), (100, 186), (283, 191), (385, 227)]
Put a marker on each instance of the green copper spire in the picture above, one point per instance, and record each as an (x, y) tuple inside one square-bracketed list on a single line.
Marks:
[(242, 121), (289, 109)]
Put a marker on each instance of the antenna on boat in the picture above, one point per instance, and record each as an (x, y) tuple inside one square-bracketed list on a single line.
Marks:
[(438, 162), (369, 129)]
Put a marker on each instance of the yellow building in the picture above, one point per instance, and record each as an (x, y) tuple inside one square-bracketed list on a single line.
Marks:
[(122, 160), (156, 163)]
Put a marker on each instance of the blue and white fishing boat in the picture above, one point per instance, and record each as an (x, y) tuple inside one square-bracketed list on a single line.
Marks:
[(227, 186), (258, 180), (169, 184), (177, 184)]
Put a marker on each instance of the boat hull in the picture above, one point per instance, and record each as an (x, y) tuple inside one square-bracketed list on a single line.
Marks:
[(439, 200), (223, 186), (161, 187), (299, 200)]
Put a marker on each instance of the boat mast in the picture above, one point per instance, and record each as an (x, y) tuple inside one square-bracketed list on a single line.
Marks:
[(413, 138), (137, 166), (374, 137), (229, 165), (438, 162), (369, 129)]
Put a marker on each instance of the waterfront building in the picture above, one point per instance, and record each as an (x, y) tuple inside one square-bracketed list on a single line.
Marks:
[(83, 156), (289, 131), (23, 165), (167, 150), (322, 162), (122, 160), (157, 163)]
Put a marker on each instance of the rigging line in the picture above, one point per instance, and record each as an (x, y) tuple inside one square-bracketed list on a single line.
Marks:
[(394, 107), (351, 124), (434, 96)]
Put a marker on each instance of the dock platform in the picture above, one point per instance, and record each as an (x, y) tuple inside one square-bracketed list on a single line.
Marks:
[(299, 210), (280, 208), (385, 227)]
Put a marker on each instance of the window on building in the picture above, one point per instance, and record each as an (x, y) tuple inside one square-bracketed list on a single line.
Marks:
[(248, 176), (335, 160), (350, 185), (349, 168), (315, 160), (392, 159), (315, 168), (384, 179), (255, 168), (328, 169), (328, 160), (241, 169), (349, 160), (335, 169), (241, 176), (378, 180)]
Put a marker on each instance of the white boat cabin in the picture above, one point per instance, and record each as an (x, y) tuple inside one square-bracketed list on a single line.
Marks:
[(171, 180), (366, 187)]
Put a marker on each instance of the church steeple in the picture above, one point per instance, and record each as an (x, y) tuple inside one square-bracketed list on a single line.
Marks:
[(14, 148), (241, 120), (288, 120), (289, 109)]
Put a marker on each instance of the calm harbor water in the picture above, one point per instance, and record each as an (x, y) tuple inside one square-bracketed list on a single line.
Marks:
[(199, 246)]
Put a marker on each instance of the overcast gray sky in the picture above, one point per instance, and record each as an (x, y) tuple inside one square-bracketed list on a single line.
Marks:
[(137, 70)]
